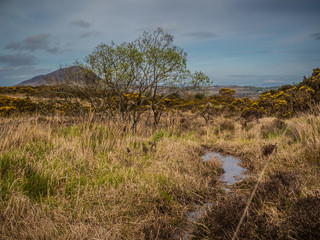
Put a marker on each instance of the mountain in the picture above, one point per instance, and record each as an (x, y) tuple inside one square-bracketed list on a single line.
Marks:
[(35, 81), (63, 75), (77, 75)]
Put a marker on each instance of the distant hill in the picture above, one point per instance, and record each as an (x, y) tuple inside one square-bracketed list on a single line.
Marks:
[(75, 75), (241, 91), (57, 77)]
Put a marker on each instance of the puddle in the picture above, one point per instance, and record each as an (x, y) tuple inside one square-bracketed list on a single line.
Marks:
[(233, 173)]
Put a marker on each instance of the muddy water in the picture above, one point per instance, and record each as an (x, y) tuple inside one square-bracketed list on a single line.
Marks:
[(233, 173)]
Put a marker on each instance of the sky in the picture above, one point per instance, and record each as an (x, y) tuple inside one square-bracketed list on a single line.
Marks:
[(234, 42)]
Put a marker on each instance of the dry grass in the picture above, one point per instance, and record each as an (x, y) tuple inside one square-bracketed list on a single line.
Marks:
[(89, 178), (86, 178), (287, 202)]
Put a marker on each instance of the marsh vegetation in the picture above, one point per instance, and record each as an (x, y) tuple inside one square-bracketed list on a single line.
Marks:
[(65, 177)]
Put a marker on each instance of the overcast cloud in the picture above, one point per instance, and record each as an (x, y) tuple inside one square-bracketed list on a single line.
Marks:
[(316, 35), (17, 59), (81, 23), (32, 43), (253, 38)]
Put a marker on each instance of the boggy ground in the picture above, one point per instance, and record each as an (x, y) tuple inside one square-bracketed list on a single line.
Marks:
[(88, 178), (64, 178), (286, 204)]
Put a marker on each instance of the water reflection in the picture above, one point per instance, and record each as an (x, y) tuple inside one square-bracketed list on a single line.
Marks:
[(233, 172)]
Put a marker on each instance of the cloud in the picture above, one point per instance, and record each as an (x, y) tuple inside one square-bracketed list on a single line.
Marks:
[(166, 26), (89, 34), (81, 23), (32, 43), (316, 36), (243, 29), (201, 35), (11, 75), (19, 59)]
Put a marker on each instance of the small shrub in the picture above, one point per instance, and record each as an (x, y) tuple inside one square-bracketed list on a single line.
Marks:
[(279, 124), (251, 113), (227, 125), (199, 96), (276, 128), (268, 149)]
